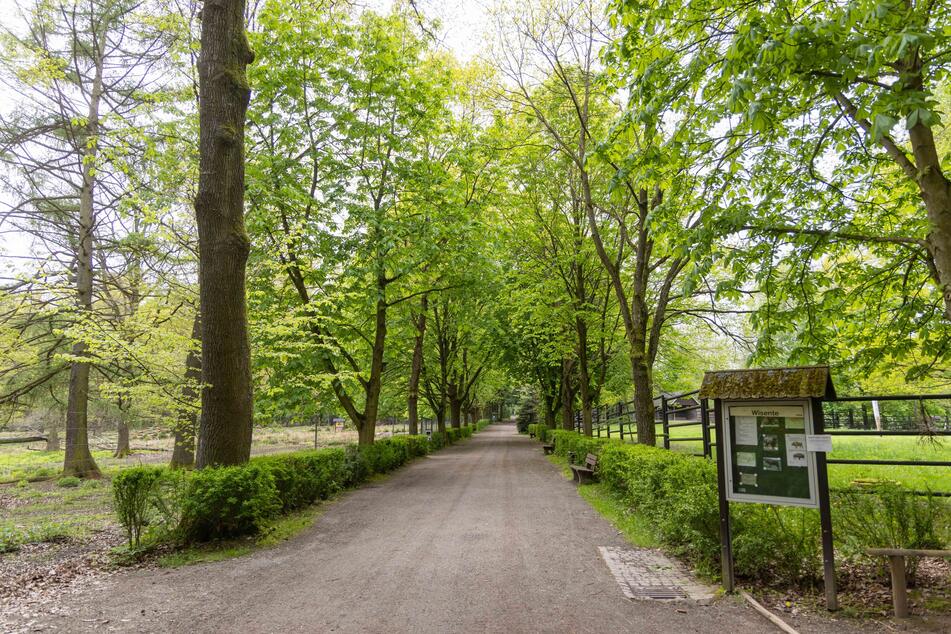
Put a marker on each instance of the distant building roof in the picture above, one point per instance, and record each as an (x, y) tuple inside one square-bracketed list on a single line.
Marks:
[(761, 383)]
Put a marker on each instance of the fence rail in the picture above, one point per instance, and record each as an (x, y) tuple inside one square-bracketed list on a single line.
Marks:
[(926, 415)]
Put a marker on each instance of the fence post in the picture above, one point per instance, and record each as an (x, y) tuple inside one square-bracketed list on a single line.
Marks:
[(665, 421), (726, 537), (705, 427), (825, 511)]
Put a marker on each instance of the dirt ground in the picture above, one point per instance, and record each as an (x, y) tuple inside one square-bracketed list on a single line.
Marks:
[(486, 536)]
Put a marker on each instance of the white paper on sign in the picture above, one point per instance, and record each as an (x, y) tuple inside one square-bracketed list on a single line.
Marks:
[(746, 429), (746, 458), (796, 450), (819, 443)]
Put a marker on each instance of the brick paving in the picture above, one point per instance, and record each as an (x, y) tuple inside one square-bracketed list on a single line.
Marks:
[(643, 573)]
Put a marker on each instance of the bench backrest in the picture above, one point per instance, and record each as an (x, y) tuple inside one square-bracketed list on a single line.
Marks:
[(590, 461)]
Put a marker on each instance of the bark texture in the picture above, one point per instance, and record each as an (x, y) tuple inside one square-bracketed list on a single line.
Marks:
[(225, 429), (78, 460), (183, 453), (122, 443), (412, 396)]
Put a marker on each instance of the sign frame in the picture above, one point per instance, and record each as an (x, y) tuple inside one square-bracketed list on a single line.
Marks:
[(729, 449)]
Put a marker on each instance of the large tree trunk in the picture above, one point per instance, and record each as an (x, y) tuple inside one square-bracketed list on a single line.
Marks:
[(122, 443), (643, 401), (225, 431), (936, 193), (441, 420), (79, 460), (412, 398), (567, 396), (455, 405), (584, 376), (367, 426), (183, 453), (52, 437), (550, 408)]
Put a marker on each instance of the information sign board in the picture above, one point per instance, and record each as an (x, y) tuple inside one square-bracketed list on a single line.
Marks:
[(767, 459)]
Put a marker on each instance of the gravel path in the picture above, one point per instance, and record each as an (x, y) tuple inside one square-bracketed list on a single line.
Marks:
[(486, 536)]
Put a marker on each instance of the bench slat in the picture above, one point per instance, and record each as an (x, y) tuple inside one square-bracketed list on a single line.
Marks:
[(907, 552)]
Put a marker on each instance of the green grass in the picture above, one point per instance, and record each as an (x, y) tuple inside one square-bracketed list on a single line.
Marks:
[(635, 527)]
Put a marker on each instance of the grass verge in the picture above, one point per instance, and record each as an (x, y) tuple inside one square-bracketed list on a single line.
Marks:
[(635, 527), (283, 529)]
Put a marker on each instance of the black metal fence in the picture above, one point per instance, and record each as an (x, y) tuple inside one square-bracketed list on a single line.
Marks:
[(922, 415)]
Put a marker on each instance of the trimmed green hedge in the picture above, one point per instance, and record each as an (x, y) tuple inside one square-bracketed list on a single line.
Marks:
[(225, 502), (542, 431), (679, 493), (569, 441)]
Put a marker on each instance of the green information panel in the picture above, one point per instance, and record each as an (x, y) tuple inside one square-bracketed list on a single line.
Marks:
[(766, 453)]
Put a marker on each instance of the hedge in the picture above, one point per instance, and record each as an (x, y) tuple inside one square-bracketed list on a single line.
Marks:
[(572, 442), (679, 493), (225, 502), (771, 544)]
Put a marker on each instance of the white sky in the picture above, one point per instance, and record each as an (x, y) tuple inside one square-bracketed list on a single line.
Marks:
[(463, 23)]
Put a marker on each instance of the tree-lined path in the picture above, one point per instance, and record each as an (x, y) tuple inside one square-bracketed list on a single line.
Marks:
[(482, 537)]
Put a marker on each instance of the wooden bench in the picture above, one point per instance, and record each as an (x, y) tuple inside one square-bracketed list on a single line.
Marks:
[(549, 448), (531, 434), (584, 474), (896, 564)]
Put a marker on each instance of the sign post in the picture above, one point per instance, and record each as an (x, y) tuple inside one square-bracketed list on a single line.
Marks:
[(770, 449)]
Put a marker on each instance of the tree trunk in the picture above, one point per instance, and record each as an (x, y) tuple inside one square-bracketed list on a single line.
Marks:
[(122, 444), (412, 398), (441, 421), (584, 376), (367, 425), (550, 409), (455, 406), (226, 412), (183, 454), (643, 402), (78, 460), (567, 396), (936, 193), (52, 438)]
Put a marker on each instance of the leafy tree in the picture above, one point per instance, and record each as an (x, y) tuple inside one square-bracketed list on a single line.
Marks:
[(824, 123)]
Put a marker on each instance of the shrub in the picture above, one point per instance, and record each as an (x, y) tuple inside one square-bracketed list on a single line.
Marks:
[(356, 467), (132, 498), (889, 515), (384, 455), (68, 482), (228, 502), (679, 493), (415, 446), (438, 440), (572, 442), (304, 477)]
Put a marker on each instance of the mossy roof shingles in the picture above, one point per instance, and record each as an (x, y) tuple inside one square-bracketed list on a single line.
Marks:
[(769, 383)]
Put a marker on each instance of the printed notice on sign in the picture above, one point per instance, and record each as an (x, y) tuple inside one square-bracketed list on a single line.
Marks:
[(746, 431), (770, 453), (746, 458)]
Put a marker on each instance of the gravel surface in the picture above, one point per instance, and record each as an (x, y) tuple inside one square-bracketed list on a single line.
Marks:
[(486, 536)]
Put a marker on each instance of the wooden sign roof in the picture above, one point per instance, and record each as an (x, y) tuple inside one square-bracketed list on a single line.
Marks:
[(769, 383)]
